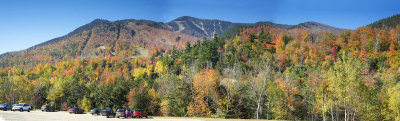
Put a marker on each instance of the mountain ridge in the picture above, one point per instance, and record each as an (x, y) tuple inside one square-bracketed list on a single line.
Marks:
[(170, 25), (90, 25), (197, 27), (317, 27), (102, 37), (126, 38)]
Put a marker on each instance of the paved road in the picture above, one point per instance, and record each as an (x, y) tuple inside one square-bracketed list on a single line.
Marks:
[(65, 116)]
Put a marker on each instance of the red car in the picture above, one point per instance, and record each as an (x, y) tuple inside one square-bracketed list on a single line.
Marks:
[(139, 113)]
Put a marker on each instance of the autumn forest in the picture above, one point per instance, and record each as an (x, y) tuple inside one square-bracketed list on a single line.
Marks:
[(249, 72)]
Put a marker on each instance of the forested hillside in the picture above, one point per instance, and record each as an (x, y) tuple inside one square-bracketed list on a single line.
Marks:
[(392, 21), (135, 38), (101, 38), (318, 27), (262, 72)]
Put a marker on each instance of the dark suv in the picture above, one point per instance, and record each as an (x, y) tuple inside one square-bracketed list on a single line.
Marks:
[(47, 108), (95, 111), (75, 110), (107, 112), (5, 107)]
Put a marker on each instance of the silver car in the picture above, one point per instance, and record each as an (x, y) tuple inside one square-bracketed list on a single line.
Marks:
[(22, 107)]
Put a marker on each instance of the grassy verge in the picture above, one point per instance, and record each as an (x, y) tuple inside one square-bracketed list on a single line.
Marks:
[(207, 119)]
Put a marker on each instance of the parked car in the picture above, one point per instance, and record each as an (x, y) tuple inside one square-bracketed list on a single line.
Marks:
[(139, 113), (75, 110), (5, 107), (107, 112), (22, 107), (47, 108), (13, 106), (121, 113), (95, 111)]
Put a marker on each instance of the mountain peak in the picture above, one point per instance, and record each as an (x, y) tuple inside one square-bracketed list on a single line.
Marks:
[(200, 27), (186, 18), (317, 27), (182, 18), (94, 23), (100, 20), (311, 22)]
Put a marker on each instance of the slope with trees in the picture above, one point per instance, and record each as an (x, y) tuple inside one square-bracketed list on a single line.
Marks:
[(263, 72)]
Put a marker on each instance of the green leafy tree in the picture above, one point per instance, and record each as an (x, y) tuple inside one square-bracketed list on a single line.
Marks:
[(345, 83)]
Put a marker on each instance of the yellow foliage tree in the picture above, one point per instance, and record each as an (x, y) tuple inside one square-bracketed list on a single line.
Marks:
[(154, 101), (394, 103), (204, 83), (160, 67), (165, 111)]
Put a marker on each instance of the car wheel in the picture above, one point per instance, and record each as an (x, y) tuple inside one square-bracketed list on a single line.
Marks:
[(29, 110), (108, 116), (146, 117)]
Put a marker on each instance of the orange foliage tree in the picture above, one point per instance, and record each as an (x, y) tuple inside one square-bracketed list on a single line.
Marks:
[(204, 83)]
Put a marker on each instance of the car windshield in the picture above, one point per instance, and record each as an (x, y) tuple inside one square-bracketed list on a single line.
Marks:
[(3, 104), (20, 105), (108, 109), (120, 110), (94, 109), (44, 106)]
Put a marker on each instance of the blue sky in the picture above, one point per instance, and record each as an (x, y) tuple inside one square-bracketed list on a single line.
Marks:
[(24, 23)]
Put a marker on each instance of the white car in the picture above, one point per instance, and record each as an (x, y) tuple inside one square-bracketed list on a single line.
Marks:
[(22, 107)]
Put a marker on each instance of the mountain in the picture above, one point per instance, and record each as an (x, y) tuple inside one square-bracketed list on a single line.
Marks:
[(207, 27), (201, 27), (88, 26), (317, 27), (132, 38), (392, 21), (100, 38), (268, 23)]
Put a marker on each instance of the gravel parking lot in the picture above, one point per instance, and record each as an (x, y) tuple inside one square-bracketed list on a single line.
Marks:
[(65, 116)]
